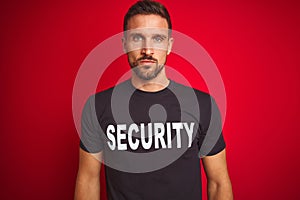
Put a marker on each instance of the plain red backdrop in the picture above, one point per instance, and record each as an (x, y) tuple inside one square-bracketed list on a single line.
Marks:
[(255, 45)]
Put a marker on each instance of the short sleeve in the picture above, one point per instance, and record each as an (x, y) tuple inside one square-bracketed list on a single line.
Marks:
[(91, 132), (213, 142)]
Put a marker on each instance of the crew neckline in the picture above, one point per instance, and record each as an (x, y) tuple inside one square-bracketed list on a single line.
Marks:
[(148, 92)]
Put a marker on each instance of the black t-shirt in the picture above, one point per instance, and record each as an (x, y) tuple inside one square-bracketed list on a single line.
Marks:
[(152, 142)]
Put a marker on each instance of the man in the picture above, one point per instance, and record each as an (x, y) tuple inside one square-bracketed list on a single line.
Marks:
[(151, 131)]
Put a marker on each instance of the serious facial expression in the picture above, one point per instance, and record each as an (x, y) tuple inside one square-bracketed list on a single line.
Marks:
[(147, 44)]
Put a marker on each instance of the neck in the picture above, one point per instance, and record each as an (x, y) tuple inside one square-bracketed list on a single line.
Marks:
[(156, 84)]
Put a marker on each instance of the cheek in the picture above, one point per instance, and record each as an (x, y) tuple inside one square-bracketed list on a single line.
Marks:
[(131, 56), (134, 54), (161, 56)]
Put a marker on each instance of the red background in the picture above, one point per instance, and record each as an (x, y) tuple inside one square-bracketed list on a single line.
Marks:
[(255, 45)]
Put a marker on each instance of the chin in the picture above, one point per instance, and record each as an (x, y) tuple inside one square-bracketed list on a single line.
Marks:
[(145, 75)]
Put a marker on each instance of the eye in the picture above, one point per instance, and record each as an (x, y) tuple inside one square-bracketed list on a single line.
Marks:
[(137, 38), (158, 38)]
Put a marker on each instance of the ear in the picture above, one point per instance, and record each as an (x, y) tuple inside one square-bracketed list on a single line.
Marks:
[(170, 44), (124, 44)]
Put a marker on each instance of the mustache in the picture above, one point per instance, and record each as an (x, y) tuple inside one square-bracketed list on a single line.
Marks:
[(146, 57)]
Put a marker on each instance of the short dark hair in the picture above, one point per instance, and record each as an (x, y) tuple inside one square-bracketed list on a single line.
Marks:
[(147, 7)]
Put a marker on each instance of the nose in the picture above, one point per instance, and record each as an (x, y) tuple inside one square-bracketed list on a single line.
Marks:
[(147, 51), (147, 48)]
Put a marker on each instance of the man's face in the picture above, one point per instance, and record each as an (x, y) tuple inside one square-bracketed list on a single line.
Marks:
[(147, 44)]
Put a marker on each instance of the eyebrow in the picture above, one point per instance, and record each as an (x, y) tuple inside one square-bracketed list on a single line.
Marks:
[(142, 35), (160, 35), (136, 34)]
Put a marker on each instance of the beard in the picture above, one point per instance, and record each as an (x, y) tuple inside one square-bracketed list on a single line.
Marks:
[(146, 72)]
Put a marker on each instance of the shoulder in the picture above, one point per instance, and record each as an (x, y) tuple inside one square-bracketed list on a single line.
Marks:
[(190, 92), (102, 99), (106, 95)]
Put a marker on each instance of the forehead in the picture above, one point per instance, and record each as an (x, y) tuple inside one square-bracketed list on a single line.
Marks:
[(147, 21)]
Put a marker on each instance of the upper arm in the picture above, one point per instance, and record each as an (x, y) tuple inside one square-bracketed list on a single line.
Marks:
[(89, 164), (88, 178), (215, 167)]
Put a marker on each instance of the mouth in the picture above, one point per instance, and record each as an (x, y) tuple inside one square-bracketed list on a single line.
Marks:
[(146, 61)]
